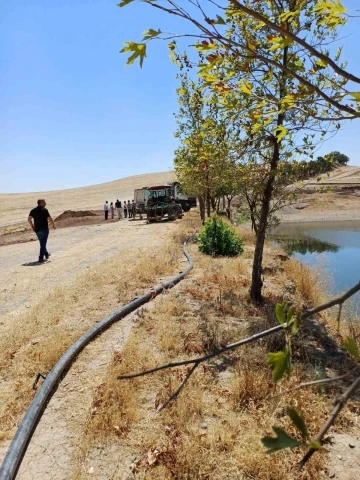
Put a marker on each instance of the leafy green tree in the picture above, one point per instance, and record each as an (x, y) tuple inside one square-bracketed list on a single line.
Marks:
[(276, 98), (202, 161), (337, 157), (211, 21)]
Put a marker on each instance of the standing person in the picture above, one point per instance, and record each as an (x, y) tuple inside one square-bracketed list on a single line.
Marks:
[(106, 209), (38, 219), (112, 210), (125, 209), (118, 209), (133, 209), (129, 209)]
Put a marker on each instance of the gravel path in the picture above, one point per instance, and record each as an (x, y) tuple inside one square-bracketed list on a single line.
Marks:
[(23, 280)]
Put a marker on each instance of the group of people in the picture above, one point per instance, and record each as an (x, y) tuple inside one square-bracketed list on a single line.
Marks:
[(125, 210), (39, 219)]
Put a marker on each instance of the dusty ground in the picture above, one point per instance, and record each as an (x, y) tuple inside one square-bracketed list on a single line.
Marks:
[(24, 283), (14, 208), (125, 248), (318, 207), (328, 197), (73, 250), (340, 177), (70, 218)]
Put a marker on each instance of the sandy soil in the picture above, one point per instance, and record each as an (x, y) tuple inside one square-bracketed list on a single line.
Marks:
[(23, 280), (340, 177), (318, 207), (14, 208)]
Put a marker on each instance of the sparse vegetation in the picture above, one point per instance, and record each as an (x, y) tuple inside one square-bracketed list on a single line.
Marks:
[(219, 239), (26, 347), (213, 428)]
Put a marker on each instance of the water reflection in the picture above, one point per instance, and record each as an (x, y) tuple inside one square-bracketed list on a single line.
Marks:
[(304, 245), (335, 245)]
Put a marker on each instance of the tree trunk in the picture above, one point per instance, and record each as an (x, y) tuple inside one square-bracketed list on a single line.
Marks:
[(213, 203), (218, 204), (228, 209), (208, 203), (256, 280), (202, 209)]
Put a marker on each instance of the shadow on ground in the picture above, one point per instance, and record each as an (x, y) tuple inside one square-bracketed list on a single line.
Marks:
[(34, 264)]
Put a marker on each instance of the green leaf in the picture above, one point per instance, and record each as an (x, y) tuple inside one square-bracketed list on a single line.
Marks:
[(123, 3), (356, 95), (280, 132), (138, 49), (351, 347), (281, 362), (316, 445), (281, 441), (298, 421), (280, 313), (151, 33), (295, 327), (219, 20)]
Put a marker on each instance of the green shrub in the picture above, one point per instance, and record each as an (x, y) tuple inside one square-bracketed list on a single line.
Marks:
[(219, 238)]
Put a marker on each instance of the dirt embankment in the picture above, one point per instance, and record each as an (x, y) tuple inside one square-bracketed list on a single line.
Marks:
[(326, 206), (332, 196)]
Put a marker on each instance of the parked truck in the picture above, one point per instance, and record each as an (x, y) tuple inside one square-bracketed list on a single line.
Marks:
[(169, 191)]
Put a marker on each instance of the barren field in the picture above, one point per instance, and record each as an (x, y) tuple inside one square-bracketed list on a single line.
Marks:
[(329, 197), (341, 176), (14, 208), (98, 427)]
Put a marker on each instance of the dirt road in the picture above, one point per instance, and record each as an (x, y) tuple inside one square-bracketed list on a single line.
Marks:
[(23, 280)]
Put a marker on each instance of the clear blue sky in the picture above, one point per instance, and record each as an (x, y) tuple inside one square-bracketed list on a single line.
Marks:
[(72, 114)]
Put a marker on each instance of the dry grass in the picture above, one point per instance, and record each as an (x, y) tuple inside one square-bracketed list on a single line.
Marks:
[(32, 342), (214, 427), (308, 282)]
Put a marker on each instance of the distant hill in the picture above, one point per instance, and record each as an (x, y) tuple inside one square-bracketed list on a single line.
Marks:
[(14, 207), (338, 179)]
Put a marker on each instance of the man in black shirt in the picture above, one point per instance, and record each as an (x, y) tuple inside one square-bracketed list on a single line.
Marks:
[(119, 209), (38, 220)]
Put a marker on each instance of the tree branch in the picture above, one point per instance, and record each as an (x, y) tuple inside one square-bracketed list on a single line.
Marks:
[(257, 336), (236, 4), (340, 403), (176, 393), (317, 382)]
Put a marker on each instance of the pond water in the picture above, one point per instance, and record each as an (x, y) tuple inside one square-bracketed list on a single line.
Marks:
[(335, 246)]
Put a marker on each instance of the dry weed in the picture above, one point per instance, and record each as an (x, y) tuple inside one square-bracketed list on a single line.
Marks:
[(306, 280), (214, 427), (33, 341)]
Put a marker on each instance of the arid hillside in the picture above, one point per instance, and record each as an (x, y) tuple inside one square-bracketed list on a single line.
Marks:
[(14, 208), (339, 178)]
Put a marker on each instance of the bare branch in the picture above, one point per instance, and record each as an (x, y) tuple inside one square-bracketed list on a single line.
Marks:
[(176, 393), (317, 382), (340, 403), (257, 336), (231, 346), (236, 4)]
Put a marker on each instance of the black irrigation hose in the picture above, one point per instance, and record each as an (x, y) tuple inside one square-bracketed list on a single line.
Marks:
[(18, 447)]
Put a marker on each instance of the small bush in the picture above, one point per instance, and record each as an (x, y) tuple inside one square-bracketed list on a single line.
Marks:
[(220, 239)]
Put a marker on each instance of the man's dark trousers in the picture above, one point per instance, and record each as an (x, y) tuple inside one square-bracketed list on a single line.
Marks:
[(43, 238), (106, 214)]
